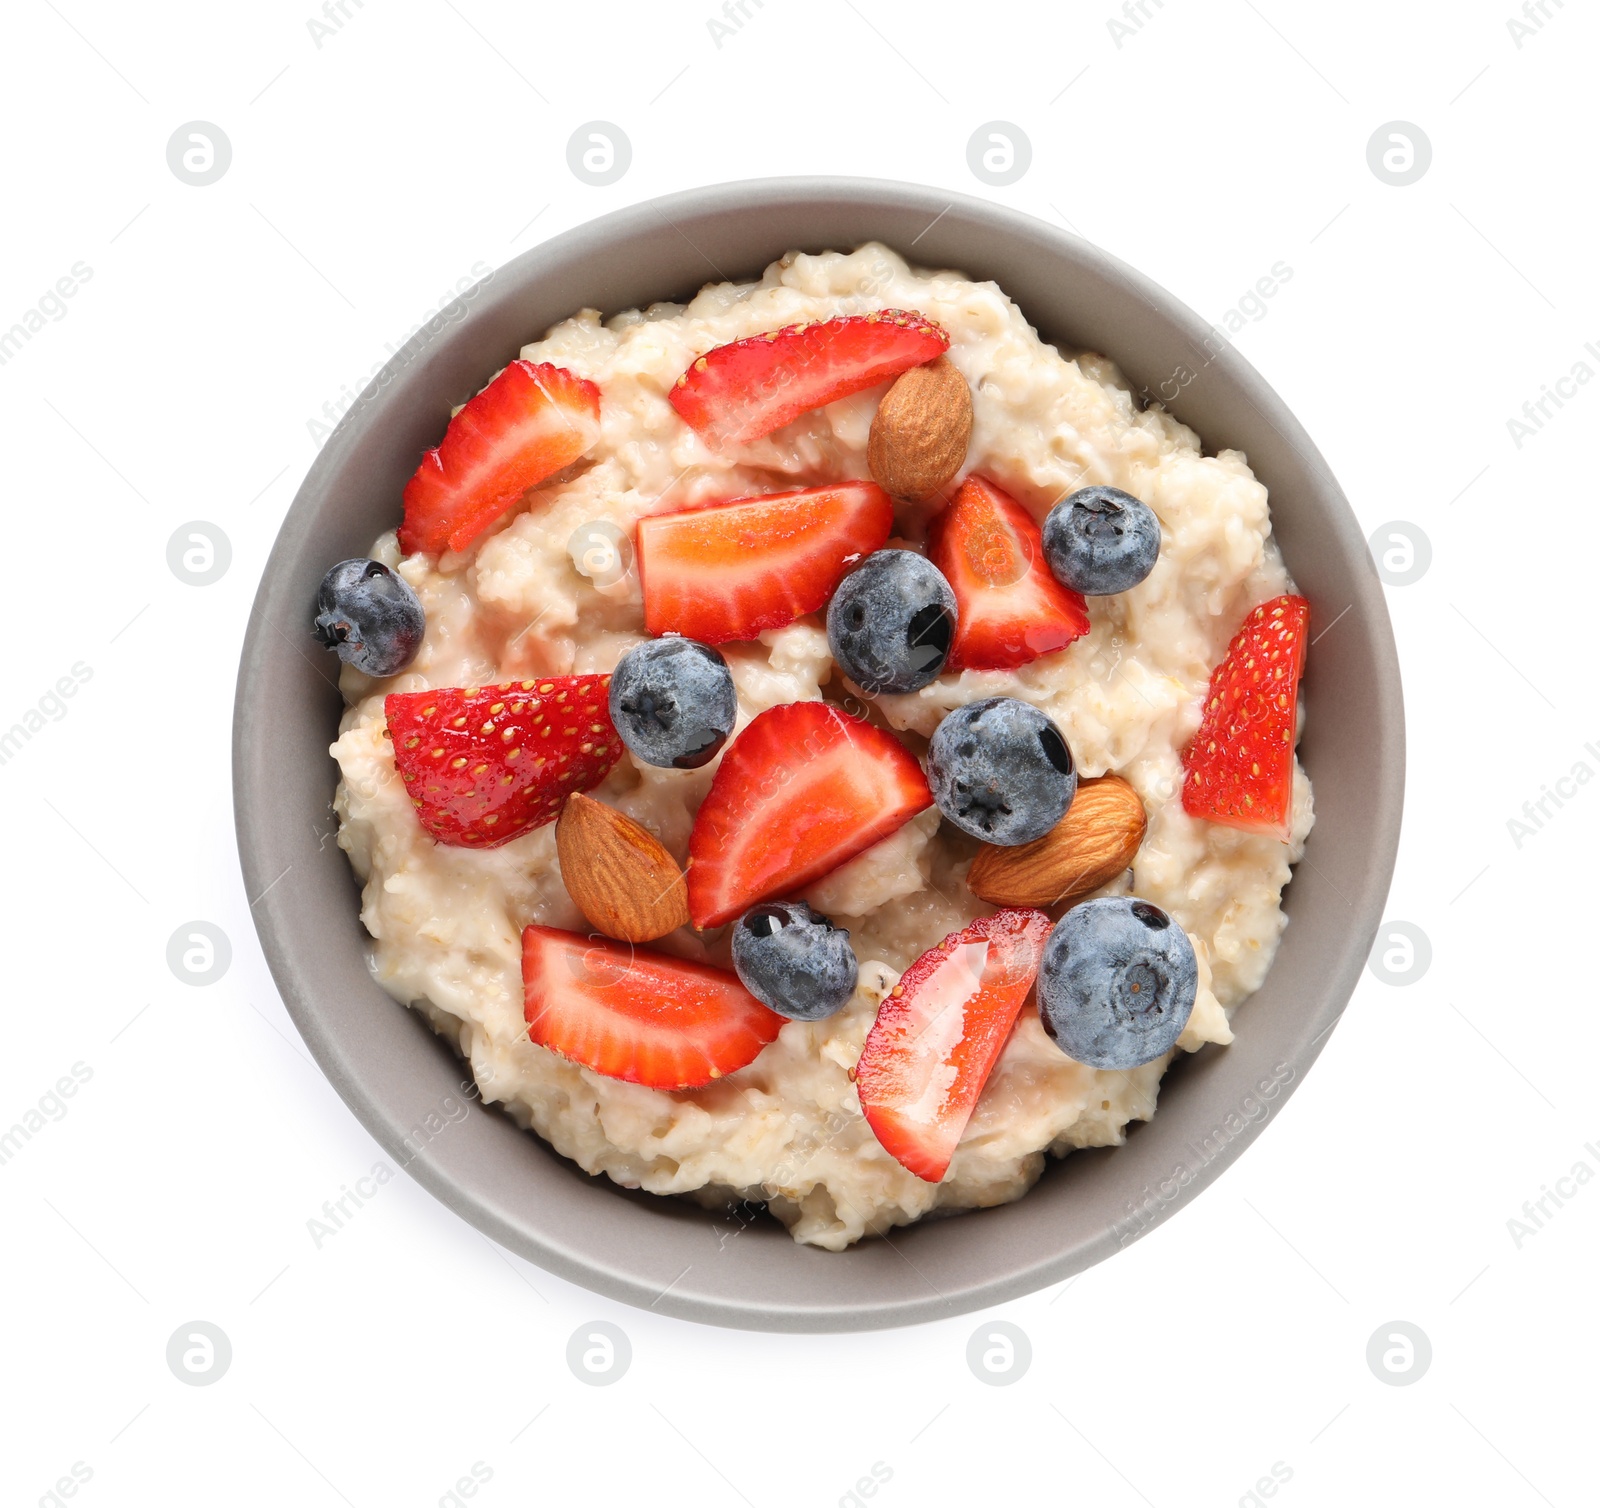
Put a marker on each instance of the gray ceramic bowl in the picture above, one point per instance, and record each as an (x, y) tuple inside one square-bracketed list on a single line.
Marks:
[(664, 1254)]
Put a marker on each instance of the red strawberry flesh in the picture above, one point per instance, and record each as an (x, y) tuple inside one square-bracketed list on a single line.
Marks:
[(741, 391), (1239, 770), (1011, 609), (529, 423), (634, 1014), (802, 790), (939, 1033), (732, 570), (485, 764)]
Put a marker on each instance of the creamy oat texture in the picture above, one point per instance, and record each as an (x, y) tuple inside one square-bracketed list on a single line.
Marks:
[(788, 1129)]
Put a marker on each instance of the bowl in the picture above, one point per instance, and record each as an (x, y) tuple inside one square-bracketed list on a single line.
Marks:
[(406, 1085)]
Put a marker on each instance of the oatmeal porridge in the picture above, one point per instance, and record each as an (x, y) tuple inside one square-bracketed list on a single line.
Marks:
[(822, 786)]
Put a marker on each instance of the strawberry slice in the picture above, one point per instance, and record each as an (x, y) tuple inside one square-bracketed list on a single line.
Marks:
[(486, 764), (803, 789), (729, 571), (633, 1014), (531, 421), (1240, 767), (739, 392), (1012, 610), (939, 1033)]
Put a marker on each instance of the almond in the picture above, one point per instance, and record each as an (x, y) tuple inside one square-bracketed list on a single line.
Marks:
[(623, 880), (1086, 849), (920, 433)]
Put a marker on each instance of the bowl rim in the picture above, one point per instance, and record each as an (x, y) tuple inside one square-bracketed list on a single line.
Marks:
[(260, 849)]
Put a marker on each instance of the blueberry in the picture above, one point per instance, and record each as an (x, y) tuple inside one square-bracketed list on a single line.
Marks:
[(673, 702), (891, 622), (1117, 983), (370, 616), (794, 961), (1101, 540), (1001, 771)]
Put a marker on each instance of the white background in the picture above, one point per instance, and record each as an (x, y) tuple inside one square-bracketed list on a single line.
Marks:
[(368, 175)]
